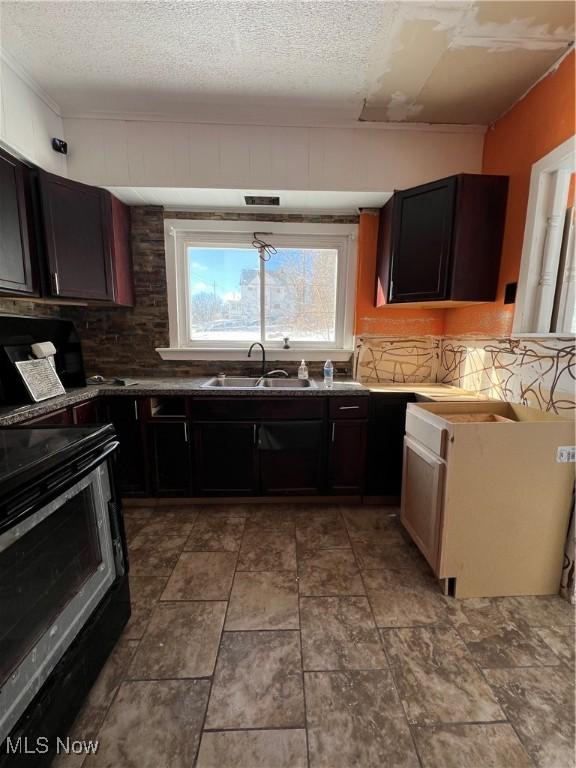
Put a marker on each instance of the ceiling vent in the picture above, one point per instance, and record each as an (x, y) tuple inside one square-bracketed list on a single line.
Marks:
[(261, 200)]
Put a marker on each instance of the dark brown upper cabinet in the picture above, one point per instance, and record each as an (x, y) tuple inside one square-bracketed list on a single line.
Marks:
[(87, 242), (440, 243), (75, 233), (16, 237)]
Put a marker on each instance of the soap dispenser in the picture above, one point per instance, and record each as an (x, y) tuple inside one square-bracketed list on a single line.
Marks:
[(303, 370)]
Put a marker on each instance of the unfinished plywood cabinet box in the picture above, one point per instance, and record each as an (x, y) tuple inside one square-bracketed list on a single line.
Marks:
[(484, 496)]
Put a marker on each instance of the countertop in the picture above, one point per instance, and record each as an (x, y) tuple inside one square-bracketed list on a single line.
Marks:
[(10, 415)]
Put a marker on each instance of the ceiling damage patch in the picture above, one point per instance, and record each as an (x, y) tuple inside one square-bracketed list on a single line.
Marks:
[(463, 62)]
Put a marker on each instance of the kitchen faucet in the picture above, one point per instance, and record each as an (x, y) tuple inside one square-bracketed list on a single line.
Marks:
[(258, 344)]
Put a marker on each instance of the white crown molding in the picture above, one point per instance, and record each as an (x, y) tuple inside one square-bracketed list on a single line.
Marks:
[(24, 75), (364, 125)]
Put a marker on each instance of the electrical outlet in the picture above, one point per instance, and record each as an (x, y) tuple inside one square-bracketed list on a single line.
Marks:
[(566, 454)]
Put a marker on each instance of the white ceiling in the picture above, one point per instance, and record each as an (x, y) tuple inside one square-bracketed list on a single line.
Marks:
[(287, 61), (233, 199)]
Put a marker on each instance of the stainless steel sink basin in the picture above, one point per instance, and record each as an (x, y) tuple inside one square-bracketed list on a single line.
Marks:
[(231, 382), (287, 383), (248, 382)]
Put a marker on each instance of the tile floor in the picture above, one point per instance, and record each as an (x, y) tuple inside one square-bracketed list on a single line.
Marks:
[(315, 637)]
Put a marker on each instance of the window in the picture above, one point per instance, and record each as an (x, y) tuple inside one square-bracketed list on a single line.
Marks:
[(223, 296), (546, 292)]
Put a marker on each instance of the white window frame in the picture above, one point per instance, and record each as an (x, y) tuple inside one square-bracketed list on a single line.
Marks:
[(541, 251), (179, 234)]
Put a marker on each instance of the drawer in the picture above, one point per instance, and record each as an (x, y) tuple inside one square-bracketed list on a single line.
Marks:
[(63, 416), (428, 434), (254, 409), (342, 407)]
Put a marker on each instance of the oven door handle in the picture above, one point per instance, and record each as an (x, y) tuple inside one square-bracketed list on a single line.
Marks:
[(57, 490)]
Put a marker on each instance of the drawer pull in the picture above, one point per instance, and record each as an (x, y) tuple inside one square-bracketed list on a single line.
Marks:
[(348, 407)]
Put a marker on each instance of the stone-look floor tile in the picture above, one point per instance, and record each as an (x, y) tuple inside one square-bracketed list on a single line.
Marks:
[(263, 600), (507, 645), (487, 612), (253, 749), (539, 702), (93, 712), (201, 576), (169, 521), (152, 724), (339, 633), (471, 746), (139, 513), (355, 719), (387, 553), (268, 549), (155, 552), (321, 530), (216, 534), (436, 678), (257, 682), (133, 526), (330, 573), (138, 621), (562, 640), (402, 598), (146, 587), (374, 521), (181, 640), (209, 511), (272, 515), (544, 611)]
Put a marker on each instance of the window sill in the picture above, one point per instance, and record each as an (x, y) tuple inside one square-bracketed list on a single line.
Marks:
[(221, 353)]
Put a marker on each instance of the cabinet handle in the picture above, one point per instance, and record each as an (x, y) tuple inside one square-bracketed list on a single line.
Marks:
[(55, 282), (136, 410), (348, 407), (255, 434), (185, 431), (333, 431)]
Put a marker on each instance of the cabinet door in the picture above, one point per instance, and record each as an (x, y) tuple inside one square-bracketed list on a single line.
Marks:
[(124, 413), (76, 232), (86, 413), (226, 457), (385, 444), (422, 242), (290, 457), (422, 499), (347, 456), (15, 260), (170, 457)]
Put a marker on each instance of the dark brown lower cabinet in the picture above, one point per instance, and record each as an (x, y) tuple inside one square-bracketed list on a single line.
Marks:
[(226, 458), (126, 415), (62, 417), (347, 456), (170, 457), (290, 457), (86, 413)]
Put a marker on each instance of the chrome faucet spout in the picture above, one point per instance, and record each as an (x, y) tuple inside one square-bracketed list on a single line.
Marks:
[(272, 373)]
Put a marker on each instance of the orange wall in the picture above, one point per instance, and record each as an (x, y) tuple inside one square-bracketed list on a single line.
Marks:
[(384, 321), (542, 120)]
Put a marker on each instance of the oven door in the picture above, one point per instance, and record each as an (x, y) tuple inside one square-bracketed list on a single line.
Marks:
[(55, 567)]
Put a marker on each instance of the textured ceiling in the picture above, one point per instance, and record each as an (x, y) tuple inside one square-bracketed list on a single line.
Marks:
[(287, 61)]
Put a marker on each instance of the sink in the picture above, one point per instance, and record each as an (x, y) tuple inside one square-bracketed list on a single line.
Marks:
[(287, 383), (231, 382), (249, 382)]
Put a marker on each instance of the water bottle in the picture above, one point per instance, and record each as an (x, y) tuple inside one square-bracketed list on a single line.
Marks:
[(328, 374)]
